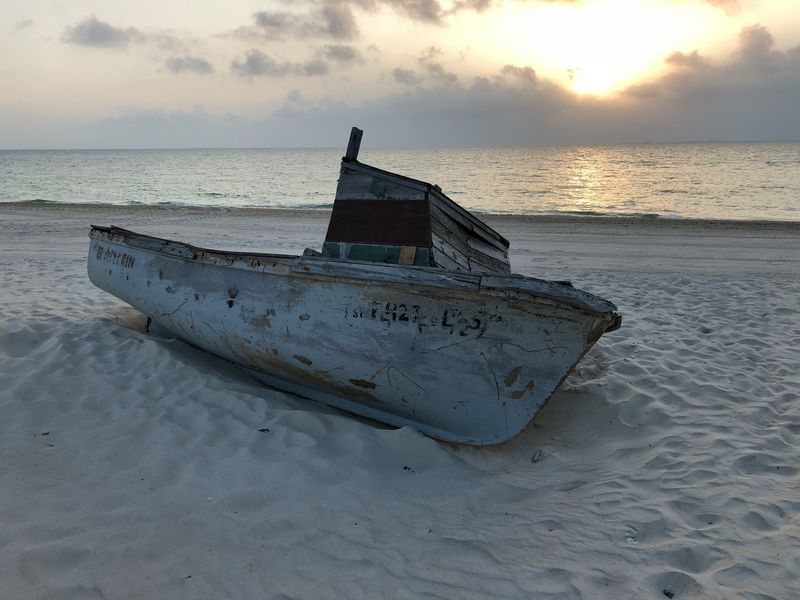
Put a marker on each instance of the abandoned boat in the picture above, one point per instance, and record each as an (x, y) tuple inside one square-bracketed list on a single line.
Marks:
[(408, 315)]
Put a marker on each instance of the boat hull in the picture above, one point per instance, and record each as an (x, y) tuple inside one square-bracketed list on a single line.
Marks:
[(462, 357)]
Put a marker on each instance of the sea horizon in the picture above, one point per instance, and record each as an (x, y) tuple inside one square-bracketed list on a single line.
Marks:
[(398, 147)]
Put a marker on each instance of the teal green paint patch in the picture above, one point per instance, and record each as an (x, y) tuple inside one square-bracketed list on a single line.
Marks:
[(423, 257), (378, 189), (330, 249), (373, 253)]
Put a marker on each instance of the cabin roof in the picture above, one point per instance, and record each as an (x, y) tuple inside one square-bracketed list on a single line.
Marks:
[(428, 187), (388, 174)]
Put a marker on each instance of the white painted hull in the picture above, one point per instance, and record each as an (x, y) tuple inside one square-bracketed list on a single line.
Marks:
[(465, 357)]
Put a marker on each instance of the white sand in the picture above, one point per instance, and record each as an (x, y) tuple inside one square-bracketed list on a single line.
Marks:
[(668, 462)]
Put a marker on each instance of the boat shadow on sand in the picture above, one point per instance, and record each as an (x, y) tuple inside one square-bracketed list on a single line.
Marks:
[(581, 397)]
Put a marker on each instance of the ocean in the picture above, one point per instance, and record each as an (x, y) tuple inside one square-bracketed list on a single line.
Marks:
[(741, 181)]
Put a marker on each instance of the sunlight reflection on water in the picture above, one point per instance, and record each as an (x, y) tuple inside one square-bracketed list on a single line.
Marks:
[(734, 181)]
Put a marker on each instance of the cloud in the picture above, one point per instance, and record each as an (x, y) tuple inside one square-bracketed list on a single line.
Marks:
[(190, 64), (335, 19), (754, 65), (406, 76), (315, 66), (751, 95), (338, 21), (425, 11), (296, 97), (431, 69), (756, 46), (741, 98), (434, 69), (164, 40), (430, 11), (257, 64), (643, 90), (329, 19), (22, 26), (729, 6), (688, 61), (95, 33), (524, 74), (341, 53), (476, 5)]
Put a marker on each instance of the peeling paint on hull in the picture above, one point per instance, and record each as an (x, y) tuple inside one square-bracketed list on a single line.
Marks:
[(462, 357)]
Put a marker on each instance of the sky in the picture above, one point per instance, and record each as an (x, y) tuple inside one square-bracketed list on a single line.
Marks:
[(412, 73)]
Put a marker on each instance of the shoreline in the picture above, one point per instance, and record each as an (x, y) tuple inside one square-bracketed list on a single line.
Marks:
[(656, 222), (546, 247)]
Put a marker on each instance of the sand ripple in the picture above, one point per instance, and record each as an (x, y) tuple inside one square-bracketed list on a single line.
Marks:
[(134, 466)]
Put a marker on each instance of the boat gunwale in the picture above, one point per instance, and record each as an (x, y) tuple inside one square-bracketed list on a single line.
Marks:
[(476, 282)]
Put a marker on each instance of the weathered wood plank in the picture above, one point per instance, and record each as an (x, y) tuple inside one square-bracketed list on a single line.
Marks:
[(467, 226), (388, 273), (467, 220), (447, 249), (360, 186), (407, 255), (357, 167), (461, 239), (445, 262), (478, 245), (485, 264)]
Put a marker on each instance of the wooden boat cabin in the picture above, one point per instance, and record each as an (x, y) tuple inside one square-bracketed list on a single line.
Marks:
[(379, 216)]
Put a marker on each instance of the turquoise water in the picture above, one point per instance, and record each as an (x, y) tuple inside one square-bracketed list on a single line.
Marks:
[(717, 181)]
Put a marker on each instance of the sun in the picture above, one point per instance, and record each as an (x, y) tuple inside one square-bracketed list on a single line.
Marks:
[(599, 47)]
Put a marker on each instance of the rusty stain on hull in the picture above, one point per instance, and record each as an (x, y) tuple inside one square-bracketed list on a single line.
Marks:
[(269, 364), (511, 378), (363, 383), (262, 322), (520, 393)]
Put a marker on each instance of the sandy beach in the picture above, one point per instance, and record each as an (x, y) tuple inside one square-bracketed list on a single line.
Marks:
[(666, 466)]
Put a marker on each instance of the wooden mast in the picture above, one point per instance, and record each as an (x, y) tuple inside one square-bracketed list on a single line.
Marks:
[(354, 145)]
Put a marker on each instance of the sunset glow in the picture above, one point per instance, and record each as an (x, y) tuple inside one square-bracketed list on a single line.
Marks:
[(603, 46), (272, 72)]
